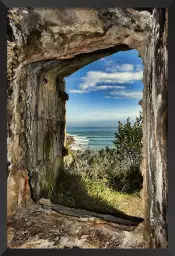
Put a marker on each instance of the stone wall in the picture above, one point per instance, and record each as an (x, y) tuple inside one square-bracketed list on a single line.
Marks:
[(46, 45), (155, 116)]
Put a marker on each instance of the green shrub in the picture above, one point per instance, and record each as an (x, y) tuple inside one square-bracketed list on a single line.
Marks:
[(76, 192), (128, 144), (128, 141), (119, 165)]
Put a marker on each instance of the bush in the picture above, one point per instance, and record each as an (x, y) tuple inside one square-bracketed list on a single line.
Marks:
[(118, 166), (128, 141), (128, 144), (89, 194)]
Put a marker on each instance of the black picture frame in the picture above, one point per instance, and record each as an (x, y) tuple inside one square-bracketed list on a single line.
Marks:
[(3, 121)]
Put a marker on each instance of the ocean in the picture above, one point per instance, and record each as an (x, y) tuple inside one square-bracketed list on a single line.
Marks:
[(92, 137)]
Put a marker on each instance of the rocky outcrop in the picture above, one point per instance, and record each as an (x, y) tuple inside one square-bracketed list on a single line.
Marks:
[(36, 227), (44, 46), (69, 140), (155, 111)]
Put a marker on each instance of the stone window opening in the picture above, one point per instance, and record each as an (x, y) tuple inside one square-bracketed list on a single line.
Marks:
[(67, 153)]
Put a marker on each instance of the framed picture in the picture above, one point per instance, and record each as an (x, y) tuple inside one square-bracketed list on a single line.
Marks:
[(85, 152)]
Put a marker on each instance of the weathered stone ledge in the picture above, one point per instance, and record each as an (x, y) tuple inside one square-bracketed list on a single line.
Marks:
[(35, 227)]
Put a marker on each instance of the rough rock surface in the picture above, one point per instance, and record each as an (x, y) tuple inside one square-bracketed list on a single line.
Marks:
[(155, 110), (36, 227), (44, 46)]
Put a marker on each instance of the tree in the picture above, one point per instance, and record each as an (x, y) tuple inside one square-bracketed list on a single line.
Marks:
[(128, 140), (128, 144)]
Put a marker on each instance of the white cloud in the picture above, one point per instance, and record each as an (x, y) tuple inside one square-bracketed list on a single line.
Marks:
[(126, 68), (117, 74), (104, 115), (124, 94), (94, 77), (106, 87), (107, 62), (113, 67), (98, 88), (78, 91), (120, 68)]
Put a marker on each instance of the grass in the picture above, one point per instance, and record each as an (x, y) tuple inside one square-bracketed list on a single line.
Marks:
[(74, 191), (92, 193), (130, 204)]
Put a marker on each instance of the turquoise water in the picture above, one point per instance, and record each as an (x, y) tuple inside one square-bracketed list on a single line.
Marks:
[(92, 137)]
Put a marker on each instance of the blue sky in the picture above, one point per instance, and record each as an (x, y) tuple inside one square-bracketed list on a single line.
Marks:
[(105, 91)]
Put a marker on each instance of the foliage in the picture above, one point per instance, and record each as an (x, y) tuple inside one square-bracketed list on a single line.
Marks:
[(128, 144), (139, 55), (63, 95), (128, 141), (84, 193), (65, 151), (104, 180), (119, 166)]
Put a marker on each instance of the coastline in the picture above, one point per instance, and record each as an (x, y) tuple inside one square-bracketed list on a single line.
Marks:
[(94, 138), (71, 141)]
